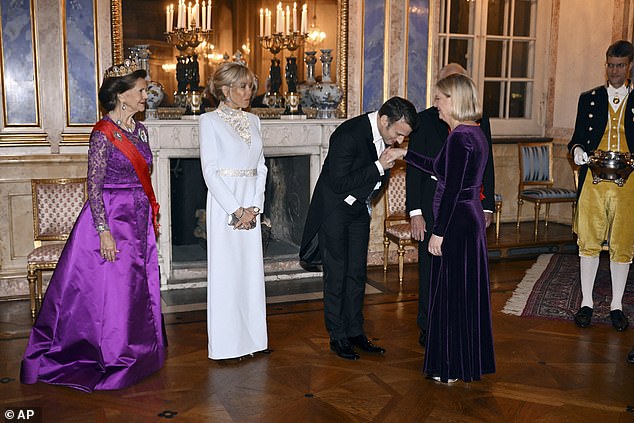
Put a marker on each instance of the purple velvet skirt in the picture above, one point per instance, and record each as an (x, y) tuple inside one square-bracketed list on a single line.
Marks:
[(100, 325)]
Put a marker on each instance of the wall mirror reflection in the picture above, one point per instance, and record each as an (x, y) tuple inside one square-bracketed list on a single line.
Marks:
[(236, 26)]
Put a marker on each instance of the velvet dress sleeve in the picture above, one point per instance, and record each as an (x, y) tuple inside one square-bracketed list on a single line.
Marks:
[(424, 163), (99, 151), (488, 181), (457, 155)]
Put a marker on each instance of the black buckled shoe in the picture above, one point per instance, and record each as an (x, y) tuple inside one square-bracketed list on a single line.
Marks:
[(362, 342), (343, 349), (630, 356), (583, 317), (619, 321)]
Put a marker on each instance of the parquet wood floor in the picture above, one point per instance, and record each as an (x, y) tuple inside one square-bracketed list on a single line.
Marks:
[(547, 370)]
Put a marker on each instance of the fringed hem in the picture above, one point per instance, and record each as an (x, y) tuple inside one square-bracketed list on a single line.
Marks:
[(515, 305)]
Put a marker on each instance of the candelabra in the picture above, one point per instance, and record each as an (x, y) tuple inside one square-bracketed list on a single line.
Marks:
[(186, 40), (276, 43), (187, 71)]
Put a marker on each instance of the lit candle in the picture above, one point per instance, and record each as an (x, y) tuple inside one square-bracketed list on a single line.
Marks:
[(287, 26), (167, 19), (267, 31), (179, 22), (184, 15), (171, 17), (196, 14), (304, 19), (261, 22), (204, 16), (189, 16), (278, 18), (294, 16), (209, 16)]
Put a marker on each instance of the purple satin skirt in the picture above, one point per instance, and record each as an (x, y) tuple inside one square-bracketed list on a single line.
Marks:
[(100, 325)]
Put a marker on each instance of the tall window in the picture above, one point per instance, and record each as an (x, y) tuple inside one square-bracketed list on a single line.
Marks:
[(502, 46)]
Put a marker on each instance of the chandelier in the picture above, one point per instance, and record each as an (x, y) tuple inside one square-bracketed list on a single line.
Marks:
[(315, 35)]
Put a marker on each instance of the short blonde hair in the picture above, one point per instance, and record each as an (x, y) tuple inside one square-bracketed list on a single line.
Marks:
[(464, 97), (228, 74)]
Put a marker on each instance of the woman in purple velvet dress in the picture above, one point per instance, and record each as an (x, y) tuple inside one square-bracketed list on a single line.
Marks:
[(459, 334), (100, 325)]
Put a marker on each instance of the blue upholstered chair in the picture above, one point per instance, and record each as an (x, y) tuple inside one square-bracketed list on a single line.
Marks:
[(536, 182)]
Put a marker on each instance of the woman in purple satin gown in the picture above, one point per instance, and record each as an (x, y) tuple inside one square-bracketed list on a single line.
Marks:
[(459, 333), (99, 326)]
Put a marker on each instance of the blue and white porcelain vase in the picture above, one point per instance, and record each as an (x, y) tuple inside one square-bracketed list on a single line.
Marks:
[(155, 94), (326, 95), (304, 87), (155, 91)]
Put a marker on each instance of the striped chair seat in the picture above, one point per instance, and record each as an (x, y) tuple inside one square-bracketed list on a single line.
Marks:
[(549, 193)]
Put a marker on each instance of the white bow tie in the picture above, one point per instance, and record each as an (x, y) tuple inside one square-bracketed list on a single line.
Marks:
[(621, 91)]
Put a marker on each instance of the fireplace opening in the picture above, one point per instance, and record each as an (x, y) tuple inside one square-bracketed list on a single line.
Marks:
[(286, 203)]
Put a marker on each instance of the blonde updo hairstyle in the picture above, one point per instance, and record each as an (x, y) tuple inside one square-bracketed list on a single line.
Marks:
[(465, 105), (228, 74)]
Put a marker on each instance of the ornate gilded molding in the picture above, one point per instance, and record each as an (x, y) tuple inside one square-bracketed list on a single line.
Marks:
[(342, 49), (23, 139), (75, 139), (117, 31)]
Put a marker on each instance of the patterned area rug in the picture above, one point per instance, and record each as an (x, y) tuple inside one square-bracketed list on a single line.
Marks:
[(551, 289)]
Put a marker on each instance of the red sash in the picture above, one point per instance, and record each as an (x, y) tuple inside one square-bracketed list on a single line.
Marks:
[(128, 149)]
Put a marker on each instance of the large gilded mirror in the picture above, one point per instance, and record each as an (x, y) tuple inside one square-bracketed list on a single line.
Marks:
[(235, 30)]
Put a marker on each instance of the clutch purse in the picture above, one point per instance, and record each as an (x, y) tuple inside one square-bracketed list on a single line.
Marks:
[(233, 220)]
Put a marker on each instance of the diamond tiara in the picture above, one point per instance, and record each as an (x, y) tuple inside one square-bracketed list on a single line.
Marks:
[(127, 67)]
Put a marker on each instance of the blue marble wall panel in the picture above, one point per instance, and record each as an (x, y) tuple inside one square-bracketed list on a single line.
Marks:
[(18, 61), (373, 54), (417, 38), (81, 66)]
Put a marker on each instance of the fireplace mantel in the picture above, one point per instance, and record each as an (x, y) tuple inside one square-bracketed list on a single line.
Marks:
[(171, 139)]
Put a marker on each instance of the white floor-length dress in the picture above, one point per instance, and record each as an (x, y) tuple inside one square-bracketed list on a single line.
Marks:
[(233, 167)]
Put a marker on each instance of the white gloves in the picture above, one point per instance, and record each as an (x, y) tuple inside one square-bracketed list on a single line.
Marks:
[(580, 156)]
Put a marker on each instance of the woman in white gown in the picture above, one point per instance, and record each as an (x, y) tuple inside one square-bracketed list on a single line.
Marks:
[(233, 167)]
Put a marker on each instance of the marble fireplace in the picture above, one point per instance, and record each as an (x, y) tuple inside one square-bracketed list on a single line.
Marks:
[(295, 148)]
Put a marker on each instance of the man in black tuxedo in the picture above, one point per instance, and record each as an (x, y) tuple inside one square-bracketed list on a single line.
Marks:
[(428, 139), (337, 229)]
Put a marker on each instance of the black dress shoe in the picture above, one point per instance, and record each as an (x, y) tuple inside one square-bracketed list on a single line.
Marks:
[(343, 349), (583, 317), (422, 338), (630, 356), (362, 341), (619, 321)]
